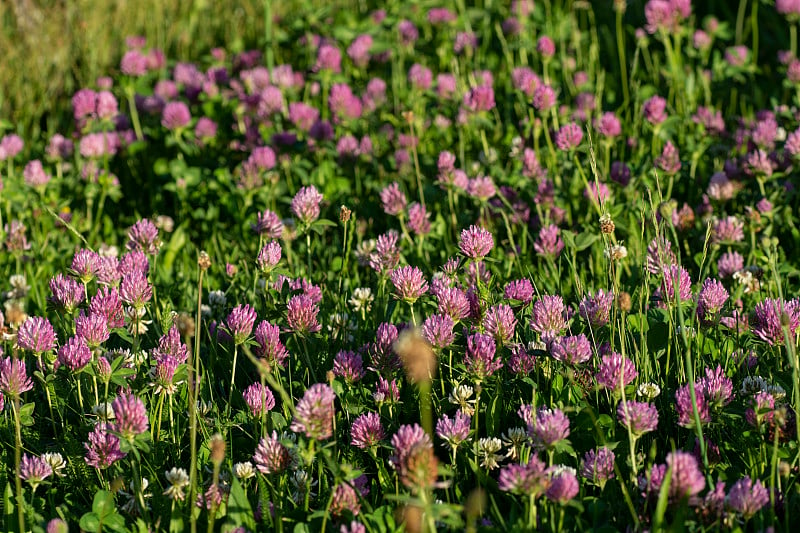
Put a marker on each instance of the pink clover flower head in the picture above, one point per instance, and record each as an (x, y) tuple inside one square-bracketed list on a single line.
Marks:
[(329, 57), (67, 293), (175, 115), (499, 322), (564, 485), (666, 15), (520, 290), (438, 331), (572, 350), (302, 315), (269, 256), (74, 355), (271, 456), (454, 431), (106, 303), (367, 431), (790, 8), (418, 219), (102, 447), (143, 236), (548, 428), (654, 110), (549, 242), (597, 466), (269, 346), (314, 413), (710, 301), (420, 77), (530, 479), (85, 265), (92, 328), (608, 125), (480, 98), (133, 63), (348, 366), (669, 161), (482, 359), (596, 309), (453, 302), (135, 290), (727, 230), (549, 317), (569, 136), (268, 224), (240, 323), (407, 438), (14, 378), (130, 416), (747, 497), (639, 417), (37, 335), (686, 479), (34, 470), (409, 283), (305, 204), (769, 317), (34, 174), (546, 46), (676, 285), (476, 242), (393, 199), (615, 371)]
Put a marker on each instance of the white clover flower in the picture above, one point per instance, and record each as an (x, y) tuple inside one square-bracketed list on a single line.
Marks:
[(178, 480), (56, 462), (616, 252), (299, 481), (460, 396), (752, 385), (134, 318), (648, 390), (361, 299), (108, 250), (103, 410), (745, 277), (19, 287), (244, 470), (364, 250), (515, 439), (340, 324), (487, 452)]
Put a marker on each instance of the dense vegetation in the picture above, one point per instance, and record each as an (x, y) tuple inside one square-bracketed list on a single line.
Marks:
[(525, 267)]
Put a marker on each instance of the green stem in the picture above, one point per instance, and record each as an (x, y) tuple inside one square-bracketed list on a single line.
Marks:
[(137, 127), (740, 20), (159, 408), (308, 359), (623, 67), (268, 32), (233, 377), (17, 458), (193, 393)]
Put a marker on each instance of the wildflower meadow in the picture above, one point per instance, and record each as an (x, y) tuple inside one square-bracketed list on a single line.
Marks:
[(424, 266)]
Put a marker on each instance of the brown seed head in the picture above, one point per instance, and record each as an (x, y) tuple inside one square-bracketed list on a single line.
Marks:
[(476, 504), (411, 517), (417, 356), (606, 224), (204, 261), (624, 301), (217, 446)]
